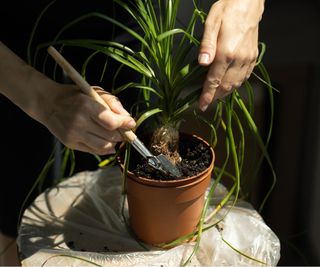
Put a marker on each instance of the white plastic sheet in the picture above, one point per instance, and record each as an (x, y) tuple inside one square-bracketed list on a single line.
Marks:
[(80, 222)]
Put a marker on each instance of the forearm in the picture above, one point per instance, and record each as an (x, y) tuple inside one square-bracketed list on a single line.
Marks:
[(76, 119), (21, 83)]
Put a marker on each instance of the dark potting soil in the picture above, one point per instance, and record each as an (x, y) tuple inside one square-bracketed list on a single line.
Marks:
[(196, 157)]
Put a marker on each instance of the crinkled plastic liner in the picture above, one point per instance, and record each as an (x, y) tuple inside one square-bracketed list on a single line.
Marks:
[(80, 221)]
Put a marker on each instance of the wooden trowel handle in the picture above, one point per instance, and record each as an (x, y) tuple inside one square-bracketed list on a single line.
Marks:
[(75, 76)]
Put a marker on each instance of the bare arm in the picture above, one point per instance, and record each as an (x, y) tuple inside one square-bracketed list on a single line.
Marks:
[(75, 119), (21, 83)]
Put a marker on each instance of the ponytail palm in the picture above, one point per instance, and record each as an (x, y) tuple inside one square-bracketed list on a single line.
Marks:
[(169, 83), (163, 61)]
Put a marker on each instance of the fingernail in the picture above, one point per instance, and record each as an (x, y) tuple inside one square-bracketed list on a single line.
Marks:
[(204, 107), (203, 58)]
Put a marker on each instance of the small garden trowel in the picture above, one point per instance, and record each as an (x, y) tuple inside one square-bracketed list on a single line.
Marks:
[(159, 162)]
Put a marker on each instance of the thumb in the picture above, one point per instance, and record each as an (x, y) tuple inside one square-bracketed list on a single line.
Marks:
[(208, 45)]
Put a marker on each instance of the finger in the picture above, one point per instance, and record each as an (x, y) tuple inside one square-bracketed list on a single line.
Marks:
[(106, 117), (115, 104), (110, 120), (233, 79), (84, 147), (215, 74), (250, 70), (118, 117), (112, 101), (96, 143), (101, 132), (97, 139), (208, 45), (251, 66)]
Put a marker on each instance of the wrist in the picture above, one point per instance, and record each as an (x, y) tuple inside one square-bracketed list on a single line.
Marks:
[(41, 100), (24, 85), (250, 9)]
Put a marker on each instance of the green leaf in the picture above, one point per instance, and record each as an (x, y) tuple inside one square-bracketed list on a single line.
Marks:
[(176, 31), (147, 115), (138, 86)]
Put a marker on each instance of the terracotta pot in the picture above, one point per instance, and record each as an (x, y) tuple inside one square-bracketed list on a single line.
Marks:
[(162, 211)]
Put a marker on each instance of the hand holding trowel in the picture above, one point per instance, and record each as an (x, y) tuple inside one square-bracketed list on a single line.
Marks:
[(159, 162)]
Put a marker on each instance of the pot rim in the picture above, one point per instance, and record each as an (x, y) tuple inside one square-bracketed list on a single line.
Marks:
[(179, 182)]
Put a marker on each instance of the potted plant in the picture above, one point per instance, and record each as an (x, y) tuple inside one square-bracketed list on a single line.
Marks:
[(169, 83)]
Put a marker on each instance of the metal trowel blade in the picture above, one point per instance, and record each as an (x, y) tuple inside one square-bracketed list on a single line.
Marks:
[(168, 166)]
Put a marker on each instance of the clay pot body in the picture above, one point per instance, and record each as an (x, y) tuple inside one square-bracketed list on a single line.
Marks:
[(162, 211)]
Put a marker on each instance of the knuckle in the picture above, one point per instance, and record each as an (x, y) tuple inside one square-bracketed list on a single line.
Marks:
[(111, 123), (252, 58), (68, 139), (226, 87), (213, 82), (243, 59), (112, 100), (246, 59), (107, 148), (229, 56), (101, 147)]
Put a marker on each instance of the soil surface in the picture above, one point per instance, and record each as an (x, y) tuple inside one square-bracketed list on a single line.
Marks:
[(196, 157)]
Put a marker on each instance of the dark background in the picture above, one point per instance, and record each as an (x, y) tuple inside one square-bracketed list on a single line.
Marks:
[(26, 144), (291, 31)]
